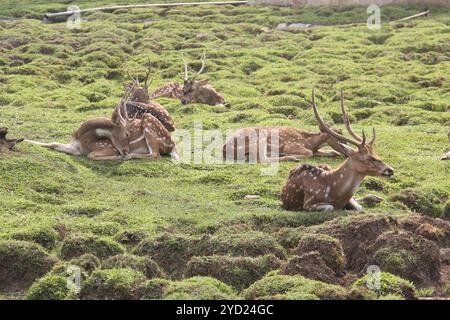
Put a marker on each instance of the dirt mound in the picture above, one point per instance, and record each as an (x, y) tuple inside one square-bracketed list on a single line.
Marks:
[(112, 284), (238, 272), (199, 288), (356, 233), (408, 256), (251, 243), (275, 286), (387, 285), (130, 237), (50, 287), (170, 251), (310, 265), (87, 262), (329, 249), (78, 245), (173, 251), (146, 265), (21, 263), (153, 289), (433, 229)]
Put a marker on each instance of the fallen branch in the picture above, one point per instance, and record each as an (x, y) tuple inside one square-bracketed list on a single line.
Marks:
[(425, 13), (49, 16), (7, 143)]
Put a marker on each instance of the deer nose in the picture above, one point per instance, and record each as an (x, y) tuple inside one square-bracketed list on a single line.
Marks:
[(388, 172), (183, 101)]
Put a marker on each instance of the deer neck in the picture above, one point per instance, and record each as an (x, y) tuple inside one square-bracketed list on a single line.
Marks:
[(347, 179), (316, 140), (100, 127)]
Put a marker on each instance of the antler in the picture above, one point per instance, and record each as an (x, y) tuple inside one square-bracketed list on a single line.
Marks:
[(325, 127), (149, 69), (349, 127), (121, 107), (134, 80), (202, 67), (186, 74)]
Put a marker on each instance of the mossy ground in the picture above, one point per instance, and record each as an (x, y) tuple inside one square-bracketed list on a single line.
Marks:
[(53, 78)]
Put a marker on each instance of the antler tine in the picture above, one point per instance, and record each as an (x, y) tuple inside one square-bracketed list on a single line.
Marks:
[(131, 77), (148, 73), (202, 67), (123, 103), (186, 74), (119, 107), (325, 127), (363, 137), (372, 141), (347, 120)]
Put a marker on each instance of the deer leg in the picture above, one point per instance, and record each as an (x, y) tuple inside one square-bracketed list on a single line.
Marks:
[(321, 207), (279, 159), (106, 153), (151, 140), (332, 153), (295, 153), (69, 148), (94, 157), (131, 156), (353, 205)]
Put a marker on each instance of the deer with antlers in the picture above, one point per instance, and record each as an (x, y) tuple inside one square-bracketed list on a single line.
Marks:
[(118, 138), (192, 90), (281, 144), (140, 103), (312, 188), (93, 132)]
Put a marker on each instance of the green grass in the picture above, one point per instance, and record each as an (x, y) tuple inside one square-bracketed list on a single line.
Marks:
[(52, 78)]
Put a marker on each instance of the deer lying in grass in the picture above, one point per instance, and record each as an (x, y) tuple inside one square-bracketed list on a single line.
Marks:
[(140, 103), (447, 155), (92, 133), (293, 144), (119, 138), (312, 188), (192, 90)]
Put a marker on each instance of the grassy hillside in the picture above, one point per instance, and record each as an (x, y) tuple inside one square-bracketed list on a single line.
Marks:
[(396, 79)]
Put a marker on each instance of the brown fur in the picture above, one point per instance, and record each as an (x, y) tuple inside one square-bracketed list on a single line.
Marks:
[(293, 144)]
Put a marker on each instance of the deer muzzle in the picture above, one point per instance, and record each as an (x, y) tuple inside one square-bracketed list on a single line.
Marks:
[(388, 172)]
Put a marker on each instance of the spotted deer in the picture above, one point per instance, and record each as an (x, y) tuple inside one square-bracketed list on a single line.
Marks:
[(140, 103), (291, 144), (447, 155), (191, 91), (199, 91), (312, 188), (90, 132)]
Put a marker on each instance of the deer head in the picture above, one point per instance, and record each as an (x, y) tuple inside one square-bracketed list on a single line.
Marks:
[(364, 159), (139, 94), (119, 133), (198, 90)]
